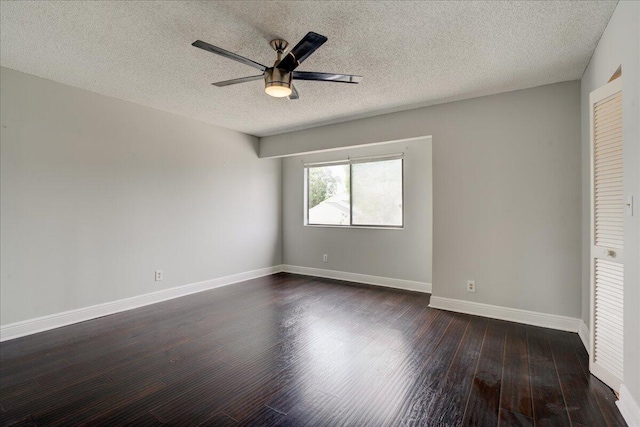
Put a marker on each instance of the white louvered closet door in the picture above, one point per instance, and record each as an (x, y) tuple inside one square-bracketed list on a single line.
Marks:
[(607, 244)]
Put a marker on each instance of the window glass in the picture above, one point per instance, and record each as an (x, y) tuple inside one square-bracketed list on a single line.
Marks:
[(357, 192), (328, 192), (377, 193)]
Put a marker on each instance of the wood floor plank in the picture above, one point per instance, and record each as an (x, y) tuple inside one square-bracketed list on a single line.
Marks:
[(20, 374), (314, 410), (292, 350), (264, 416), (549, 408), (359, 386), (91, 405), (219, 420), (216, 389), (453, 392), (514, 419), (19, 422), (411, 314), (417, 403), (129, 411), (484, 400), (516, 389), (11, 420), (604, 395), (143, 420), (606, 402), (28, 397), (581, 402)]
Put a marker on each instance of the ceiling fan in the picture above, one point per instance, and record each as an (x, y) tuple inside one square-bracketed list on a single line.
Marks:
[(278, 79)]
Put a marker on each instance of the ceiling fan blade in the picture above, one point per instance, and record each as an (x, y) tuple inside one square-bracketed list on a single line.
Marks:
[(326, 77), (236, 81), (301, 51), (294, 93), (227, 54)]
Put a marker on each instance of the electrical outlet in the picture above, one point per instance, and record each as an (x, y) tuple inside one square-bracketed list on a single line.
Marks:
[(158, 275), (325, 258), (471, 286)]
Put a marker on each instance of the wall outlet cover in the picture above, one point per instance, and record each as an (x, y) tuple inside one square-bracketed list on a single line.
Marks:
[(471, 286)]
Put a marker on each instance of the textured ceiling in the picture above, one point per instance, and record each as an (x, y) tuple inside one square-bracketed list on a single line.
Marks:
[(410, 53)]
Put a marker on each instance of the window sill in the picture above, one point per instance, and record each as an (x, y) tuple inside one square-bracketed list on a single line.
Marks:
[(354, 227)]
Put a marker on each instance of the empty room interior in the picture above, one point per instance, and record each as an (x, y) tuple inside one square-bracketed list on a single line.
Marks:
[(283, 213)]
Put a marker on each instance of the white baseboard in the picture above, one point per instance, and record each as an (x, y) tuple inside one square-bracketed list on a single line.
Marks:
[(534, 318), (388, 282), (45, 323), (585, 336), (629, 408)]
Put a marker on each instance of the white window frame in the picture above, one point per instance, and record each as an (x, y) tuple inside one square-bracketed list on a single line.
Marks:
[(350, 162)]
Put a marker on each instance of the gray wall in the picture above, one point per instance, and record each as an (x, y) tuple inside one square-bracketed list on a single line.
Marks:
[(619, 45), (399, 254), (506, 191), (98, 193)]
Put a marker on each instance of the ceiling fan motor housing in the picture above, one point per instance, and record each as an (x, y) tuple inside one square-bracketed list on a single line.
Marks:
[(277, 77)]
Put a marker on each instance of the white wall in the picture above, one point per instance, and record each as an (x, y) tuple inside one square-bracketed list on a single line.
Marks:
[(619, 45), (506, 191), (399, 254), (98, 193)]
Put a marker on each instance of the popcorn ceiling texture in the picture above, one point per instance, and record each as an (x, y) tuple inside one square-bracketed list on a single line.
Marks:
[(411, 54)]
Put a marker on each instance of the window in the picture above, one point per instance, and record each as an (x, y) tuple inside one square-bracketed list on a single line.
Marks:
[(357, 192)]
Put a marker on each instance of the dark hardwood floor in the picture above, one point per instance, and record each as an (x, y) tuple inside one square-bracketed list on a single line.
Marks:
[(289, 350)]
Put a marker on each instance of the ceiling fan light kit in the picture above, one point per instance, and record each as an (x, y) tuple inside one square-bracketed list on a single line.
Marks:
[(278, 80)]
